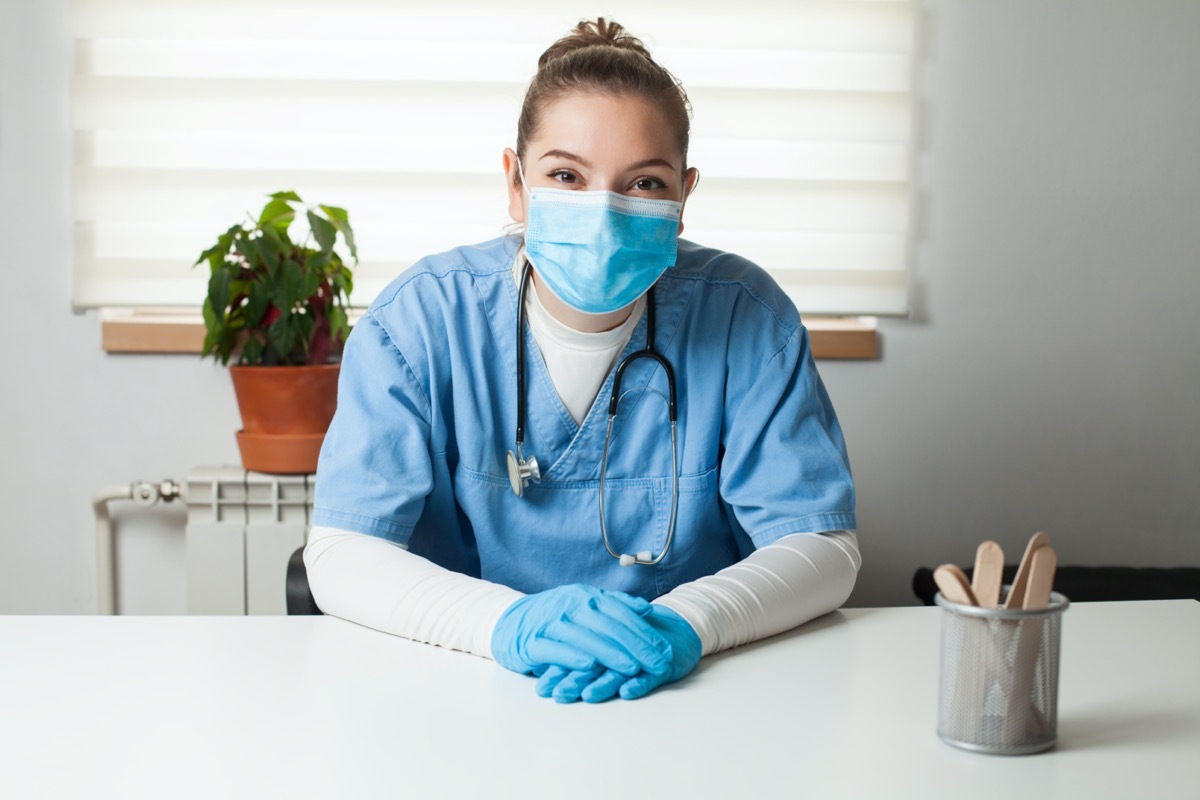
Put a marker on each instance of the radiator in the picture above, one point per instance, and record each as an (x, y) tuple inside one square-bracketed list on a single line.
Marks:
[(242, 527)]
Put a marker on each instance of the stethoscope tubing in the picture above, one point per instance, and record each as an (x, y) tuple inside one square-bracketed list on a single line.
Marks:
[(672, 410), (521, 356)]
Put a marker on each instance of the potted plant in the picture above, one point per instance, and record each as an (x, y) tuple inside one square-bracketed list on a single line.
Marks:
[(279, 308)]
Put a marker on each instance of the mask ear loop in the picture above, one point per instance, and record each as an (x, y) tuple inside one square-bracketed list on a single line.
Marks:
[(521, 175)]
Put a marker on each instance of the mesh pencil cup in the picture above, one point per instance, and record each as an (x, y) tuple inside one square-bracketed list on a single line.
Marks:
[(998, 690)]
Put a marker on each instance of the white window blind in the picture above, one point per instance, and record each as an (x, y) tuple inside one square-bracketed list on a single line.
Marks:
[(188, 113)]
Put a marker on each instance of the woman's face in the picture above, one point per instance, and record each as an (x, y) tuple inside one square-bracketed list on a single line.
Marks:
[(600, 143)]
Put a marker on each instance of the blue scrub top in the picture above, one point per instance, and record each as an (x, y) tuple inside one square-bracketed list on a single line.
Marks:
[(427, 410)]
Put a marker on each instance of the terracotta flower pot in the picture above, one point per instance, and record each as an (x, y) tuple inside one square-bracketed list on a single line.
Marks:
[(285, 413)]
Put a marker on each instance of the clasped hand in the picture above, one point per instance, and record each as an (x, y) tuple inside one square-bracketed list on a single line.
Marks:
[(590, 644)]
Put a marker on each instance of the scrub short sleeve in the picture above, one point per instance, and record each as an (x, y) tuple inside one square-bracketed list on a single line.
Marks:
[(375, 469), (785, 468)]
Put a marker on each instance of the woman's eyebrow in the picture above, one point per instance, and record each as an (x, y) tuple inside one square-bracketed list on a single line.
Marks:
[(651, 162), (569, 156)]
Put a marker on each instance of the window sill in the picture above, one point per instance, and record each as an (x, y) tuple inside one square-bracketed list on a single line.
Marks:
[(146, 330)]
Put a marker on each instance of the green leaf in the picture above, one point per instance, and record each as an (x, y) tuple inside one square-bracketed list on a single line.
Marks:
[(224, 346), (278, 237), (319, 261), (302, 325), (218, 292), (212, 329), (341, 221), (274, 247), (343, 281), (247, 248), (277, 214), (339, 325), (226, 238), (216, 254), (268, 250), (313, 278), (256, 304), (219, 337), (252, 352), (286, 290), (207, 254), (282, 337), (323, 230), (336, 214), (288, 195), (210, 318), (238, 289)]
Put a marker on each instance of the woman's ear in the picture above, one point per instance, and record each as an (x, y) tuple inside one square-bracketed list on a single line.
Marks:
[(690, 180), (512, 178)]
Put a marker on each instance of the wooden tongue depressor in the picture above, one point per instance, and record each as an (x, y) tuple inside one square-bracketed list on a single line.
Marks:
[(1022, 717), (1041, 578), (1016, 594), (954, 585), (989, 574)]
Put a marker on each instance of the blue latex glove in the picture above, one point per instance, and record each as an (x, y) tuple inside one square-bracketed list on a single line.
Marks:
[(591, 685), (580, 627), (598, 684)]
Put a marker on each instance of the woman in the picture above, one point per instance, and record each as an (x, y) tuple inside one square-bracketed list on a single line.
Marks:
[(476, 490)]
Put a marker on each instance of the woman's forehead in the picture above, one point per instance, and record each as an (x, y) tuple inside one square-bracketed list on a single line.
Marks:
[(600, 126)]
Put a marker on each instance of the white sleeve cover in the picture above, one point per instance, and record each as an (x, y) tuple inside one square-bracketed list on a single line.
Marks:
[(379, 584), (774, 589)]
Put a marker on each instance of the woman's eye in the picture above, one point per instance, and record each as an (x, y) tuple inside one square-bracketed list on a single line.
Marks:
[(563, 176), (649, 184)]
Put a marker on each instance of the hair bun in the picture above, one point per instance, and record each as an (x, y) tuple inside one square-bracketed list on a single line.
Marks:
[(600, 58), (598, 33)]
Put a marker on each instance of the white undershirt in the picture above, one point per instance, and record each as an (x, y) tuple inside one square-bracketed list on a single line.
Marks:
[(578, 362), (379, 584)]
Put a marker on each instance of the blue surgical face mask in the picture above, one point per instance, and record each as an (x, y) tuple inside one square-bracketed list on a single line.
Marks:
[(599, 251)]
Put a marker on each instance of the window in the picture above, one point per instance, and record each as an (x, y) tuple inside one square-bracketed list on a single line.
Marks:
[(188, 113)]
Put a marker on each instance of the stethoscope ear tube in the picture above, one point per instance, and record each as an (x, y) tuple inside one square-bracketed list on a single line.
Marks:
[(648, 352), (616, 392)]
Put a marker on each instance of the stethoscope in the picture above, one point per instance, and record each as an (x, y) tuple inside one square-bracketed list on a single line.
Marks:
[(522, 470)]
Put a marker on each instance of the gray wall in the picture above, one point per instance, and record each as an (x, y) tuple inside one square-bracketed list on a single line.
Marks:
[(1049, 378)]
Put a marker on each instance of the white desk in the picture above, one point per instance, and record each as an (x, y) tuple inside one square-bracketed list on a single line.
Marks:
[(314, 707)]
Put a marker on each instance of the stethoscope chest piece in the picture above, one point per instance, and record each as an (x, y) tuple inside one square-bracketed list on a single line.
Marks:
[(521, 471)]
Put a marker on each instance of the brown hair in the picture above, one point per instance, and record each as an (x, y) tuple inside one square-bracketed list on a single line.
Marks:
[(602, 58)]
